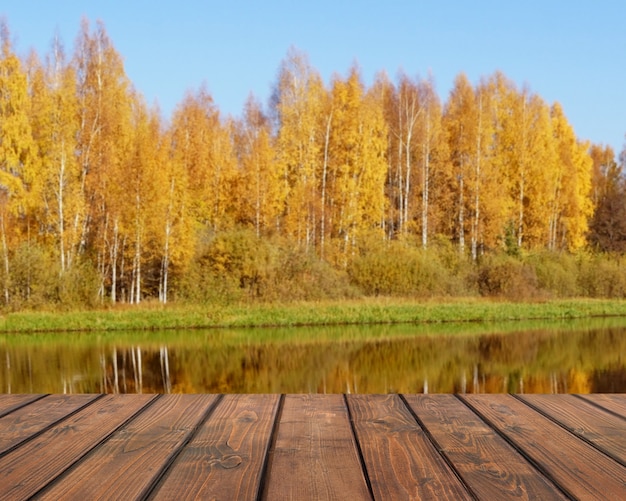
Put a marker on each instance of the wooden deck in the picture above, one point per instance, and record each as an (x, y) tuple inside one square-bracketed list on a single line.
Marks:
[(345, 447)]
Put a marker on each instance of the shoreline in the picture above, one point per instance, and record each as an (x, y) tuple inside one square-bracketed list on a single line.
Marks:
[(368, 311)]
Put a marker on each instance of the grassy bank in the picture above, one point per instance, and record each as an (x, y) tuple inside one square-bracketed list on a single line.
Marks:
[(367, 311)]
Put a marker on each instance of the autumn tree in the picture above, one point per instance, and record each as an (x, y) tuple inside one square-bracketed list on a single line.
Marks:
[(104, 139), (480, 202), (531, 172), (202, 144), (297, 105), (460, 122), (261, 193), (402, 111), (607, 228), (572, 205), (431, 156), (357, 164), (177, 239), (142, 203), (18, 173), (524, 154), (415, 154), (54, 112)]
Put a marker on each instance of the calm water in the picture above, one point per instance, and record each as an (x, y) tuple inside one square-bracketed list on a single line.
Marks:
[(574, 357)]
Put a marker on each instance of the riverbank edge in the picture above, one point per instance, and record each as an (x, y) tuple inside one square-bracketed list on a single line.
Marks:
[(153, 316)]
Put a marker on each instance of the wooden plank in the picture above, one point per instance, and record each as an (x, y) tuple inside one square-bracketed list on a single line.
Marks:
[(25, 470), (401, 461), (11, 402), (315, 455), (486, 463), (581, 470), (224, 460), (616, 403), (606, 431), (127, 464), (36, 417)]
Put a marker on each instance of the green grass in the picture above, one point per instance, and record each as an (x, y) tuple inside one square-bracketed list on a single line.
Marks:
[(356, 312)]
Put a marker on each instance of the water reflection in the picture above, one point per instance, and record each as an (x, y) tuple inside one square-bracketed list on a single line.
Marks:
[(570, 358)]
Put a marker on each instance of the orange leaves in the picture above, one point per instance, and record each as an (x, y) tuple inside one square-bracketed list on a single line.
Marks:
[(16, 142), (202, 145)]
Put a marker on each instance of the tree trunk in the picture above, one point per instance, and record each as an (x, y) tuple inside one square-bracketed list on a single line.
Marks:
[(165, 264), (5, 255), (61, 209), (461, 214), (324, 179), (476, 219), (114, 254), (426, 183)]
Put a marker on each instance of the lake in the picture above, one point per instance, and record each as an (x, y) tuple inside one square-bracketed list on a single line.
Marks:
[(530, 357)]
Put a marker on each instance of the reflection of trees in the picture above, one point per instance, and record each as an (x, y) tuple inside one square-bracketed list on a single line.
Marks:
[(609, 380), (110, 369), (525, 362), (121, 370), (133, 370)]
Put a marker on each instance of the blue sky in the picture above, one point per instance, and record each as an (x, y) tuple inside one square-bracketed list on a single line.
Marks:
[(571, 51)]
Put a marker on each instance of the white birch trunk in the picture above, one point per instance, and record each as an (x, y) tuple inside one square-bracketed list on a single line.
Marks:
[(114, 254), (477, 183), (324, 179), (461, 213), (426, 183), (5, 255), (60, 208)]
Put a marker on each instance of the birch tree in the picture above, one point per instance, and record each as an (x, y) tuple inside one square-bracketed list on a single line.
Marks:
[(261, 194), (403, 111), (104, 138), (18, 178), (202, 144), (572, 206), (297, 105), (476, 184), (357, 164), (54, 112), (431, 156)]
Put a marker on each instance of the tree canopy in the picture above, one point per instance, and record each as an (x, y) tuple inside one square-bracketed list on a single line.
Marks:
[(90, 175)]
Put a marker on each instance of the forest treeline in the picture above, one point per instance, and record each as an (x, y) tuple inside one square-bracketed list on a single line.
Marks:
[(331, 190)]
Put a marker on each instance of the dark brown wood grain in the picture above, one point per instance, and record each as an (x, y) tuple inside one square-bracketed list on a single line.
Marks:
[(488, 465), (612, 402), (8, 403), (315, 454), (225, 459), (605, 431), (37, 416), (401, 461), (583, 471), (126, 464), (312, 447), (27, 469)]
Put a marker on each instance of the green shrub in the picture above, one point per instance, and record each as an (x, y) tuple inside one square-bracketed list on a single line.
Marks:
[(602, 276), (78, 286), (399, 268), (556, 272), (239, 256), (201, 285), (33, 277), (236, 266)]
